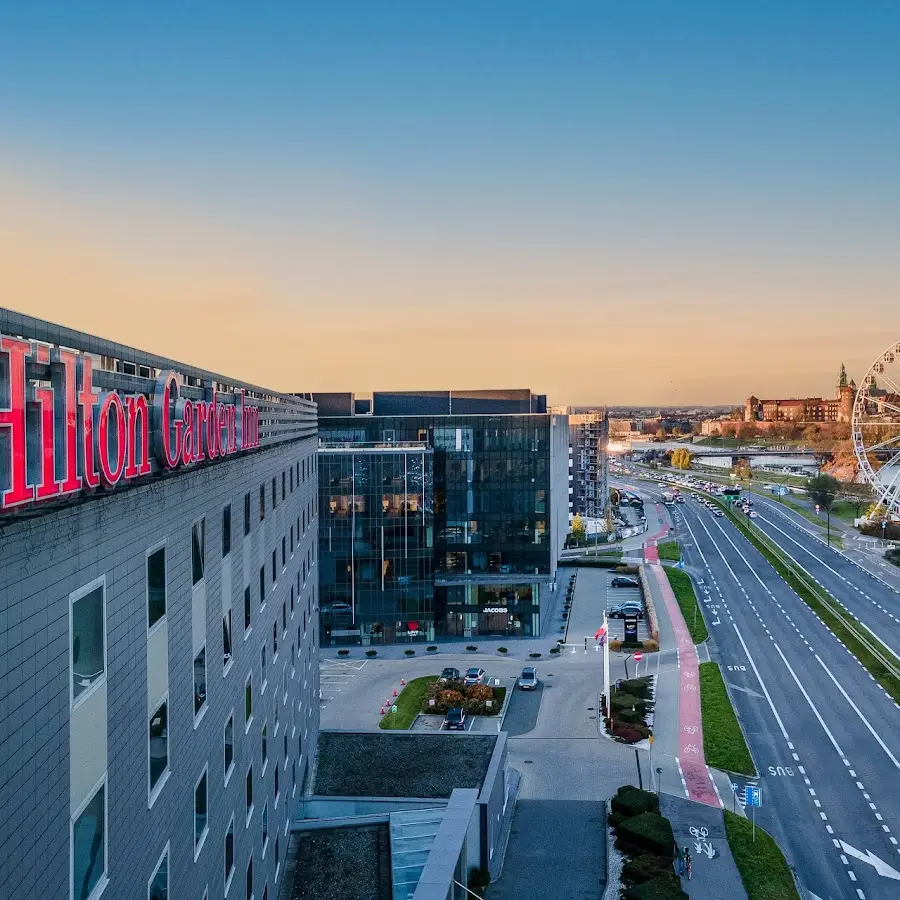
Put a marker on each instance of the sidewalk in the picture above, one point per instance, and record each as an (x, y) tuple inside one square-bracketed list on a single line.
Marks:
[(701, 828)]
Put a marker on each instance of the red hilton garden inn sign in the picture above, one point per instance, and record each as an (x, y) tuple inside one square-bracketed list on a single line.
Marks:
[(60, 437)]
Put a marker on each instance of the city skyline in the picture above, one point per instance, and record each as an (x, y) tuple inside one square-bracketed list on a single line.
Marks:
[(612, 206)]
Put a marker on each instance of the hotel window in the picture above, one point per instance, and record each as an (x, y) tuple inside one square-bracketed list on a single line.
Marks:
[(250, 879), (274, 495), (226, 531), (262, 667), (159, 744), (265, 828), (156, 586), (265, 745), (226, 640), (199, 682), (248, 702), (89, 848), (274, 567), (246, 514), (277, 793), (283, 553), (284, 739), (228, 742), (229, 854), (283, 616), (292, 599), (293, 656), (262, 585), (292, 479), (246, 610), (262, 502), (292, 540), (248, 790), (201, 817), (88, 638), (283, 485), (158, 886), (274, 640), (198, 548)]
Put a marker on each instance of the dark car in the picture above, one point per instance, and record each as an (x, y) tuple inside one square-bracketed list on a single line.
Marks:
[(622, 581), (455, 720), (528, 680), (621, 610), (450, 674), (474, 675)]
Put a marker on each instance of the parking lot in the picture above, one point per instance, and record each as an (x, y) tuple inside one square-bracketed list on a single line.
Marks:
[(616, 595)]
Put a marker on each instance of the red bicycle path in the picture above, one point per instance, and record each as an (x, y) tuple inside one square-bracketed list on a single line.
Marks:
[(690, 724)]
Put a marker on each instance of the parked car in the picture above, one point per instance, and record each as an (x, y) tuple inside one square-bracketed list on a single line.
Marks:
[(455, 720), (339, 607), (621, 610), (622, 581), (474, 675), (449, 674), (528, 680)]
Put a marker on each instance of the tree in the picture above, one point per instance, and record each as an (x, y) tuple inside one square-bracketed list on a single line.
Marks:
[(578, 529), (660, 434), (681, 458), (728, 429), (856, 494), (823, 490)]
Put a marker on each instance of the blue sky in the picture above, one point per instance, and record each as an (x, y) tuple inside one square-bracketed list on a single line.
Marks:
[(531, 191)]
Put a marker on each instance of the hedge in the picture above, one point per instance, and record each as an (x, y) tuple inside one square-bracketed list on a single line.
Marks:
[(647, 833), (630, 801), (665, 887)]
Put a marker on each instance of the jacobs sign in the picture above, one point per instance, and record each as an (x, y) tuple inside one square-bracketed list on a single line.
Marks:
[(59, 437)]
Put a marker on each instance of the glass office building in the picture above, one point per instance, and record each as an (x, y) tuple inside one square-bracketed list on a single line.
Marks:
[(376, 548), (499, 511)]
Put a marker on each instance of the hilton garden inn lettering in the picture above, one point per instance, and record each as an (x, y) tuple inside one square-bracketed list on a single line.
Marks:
[(60, 437)]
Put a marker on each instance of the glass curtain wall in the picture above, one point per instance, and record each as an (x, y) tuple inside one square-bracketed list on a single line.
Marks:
[(376, 542)]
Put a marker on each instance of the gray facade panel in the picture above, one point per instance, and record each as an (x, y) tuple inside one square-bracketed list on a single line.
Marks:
[(42, 560)]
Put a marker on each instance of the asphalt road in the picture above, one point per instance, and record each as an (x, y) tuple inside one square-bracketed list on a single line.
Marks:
[(823, 734)]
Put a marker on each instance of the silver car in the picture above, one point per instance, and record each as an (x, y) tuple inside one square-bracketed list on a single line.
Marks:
[(528, 680)]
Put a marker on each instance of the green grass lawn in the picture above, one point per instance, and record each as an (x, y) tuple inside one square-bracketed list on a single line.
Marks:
[(687, 600), (810, 515), (723, 740), (669, 550), (763, 869), (408, 704)]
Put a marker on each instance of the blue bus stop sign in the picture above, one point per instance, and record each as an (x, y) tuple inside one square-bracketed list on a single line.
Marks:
[(751, 795)]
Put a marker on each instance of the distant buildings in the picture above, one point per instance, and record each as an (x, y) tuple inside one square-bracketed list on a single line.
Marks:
[(588, 469), (443, 513), (805, 410)]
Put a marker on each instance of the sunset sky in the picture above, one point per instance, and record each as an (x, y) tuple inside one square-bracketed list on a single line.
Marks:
[(607, 202)]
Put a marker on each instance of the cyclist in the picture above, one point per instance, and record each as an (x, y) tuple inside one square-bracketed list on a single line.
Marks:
[(687, 863)]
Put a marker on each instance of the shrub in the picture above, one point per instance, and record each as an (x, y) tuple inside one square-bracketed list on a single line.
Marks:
[(371, 653), (471, 647), (651, 645), (479, 879), (432, 649), (534, 655), (643, 868), (554, 649), (560, 640), (615, 645), (479, 692), (450, 698), (646, 832), (626, 734), (565, 615), (639, 687), (502, 650), (666, 886), (343, 652), (409, 652), (632, 801)]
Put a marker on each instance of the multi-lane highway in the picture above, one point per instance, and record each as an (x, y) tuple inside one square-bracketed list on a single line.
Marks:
[(825, 736)]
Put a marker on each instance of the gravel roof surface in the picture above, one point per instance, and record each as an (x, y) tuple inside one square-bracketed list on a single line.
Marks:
[(400, 765), (342, 864)]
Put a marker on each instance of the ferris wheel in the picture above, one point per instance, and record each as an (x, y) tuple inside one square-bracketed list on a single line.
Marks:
[(875, 428)]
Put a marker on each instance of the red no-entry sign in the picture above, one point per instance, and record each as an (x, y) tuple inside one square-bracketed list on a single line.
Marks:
[(638, 657)]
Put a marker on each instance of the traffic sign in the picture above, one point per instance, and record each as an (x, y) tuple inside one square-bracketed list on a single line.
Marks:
[(394, 708), (638, 657), (752, 795)]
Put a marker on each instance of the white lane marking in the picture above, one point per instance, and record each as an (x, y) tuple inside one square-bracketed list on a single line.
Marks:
[(812, 705), (880, 866), (765, 690), (857, 710)]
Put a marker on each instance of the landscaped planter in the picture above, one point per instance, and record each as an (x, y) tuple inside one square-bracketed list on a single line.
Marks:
[(502, 650), (409, 652), (371, 653), (343, 652), (471, 648), (431, 649)]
